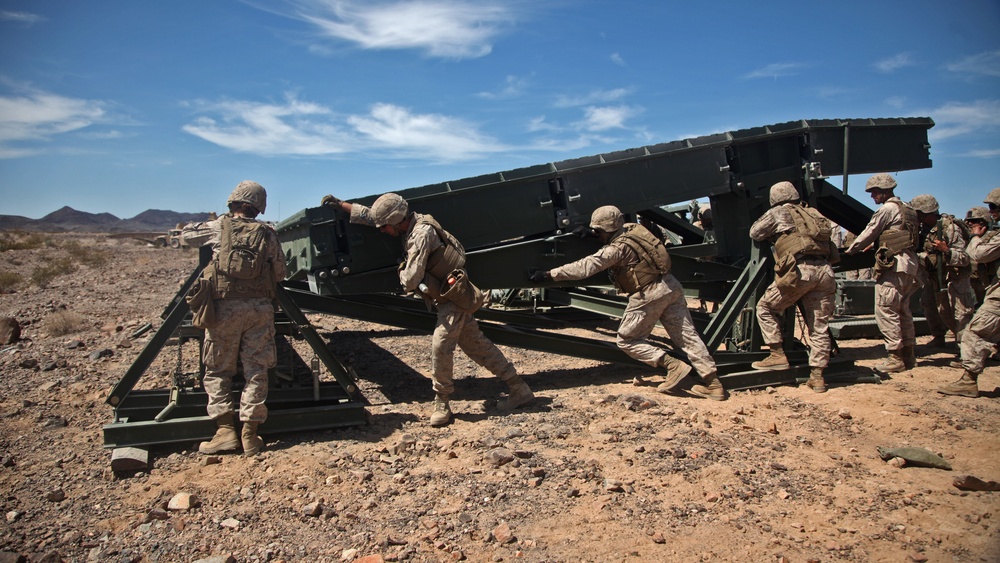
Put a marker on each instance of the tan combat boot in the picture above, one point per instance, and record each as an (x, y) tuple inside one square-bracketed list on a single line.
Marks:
[(909, 358), (442, 411), (225, 438), (518, 393), (816, 382), (776, 360), (252, 443), (711, 390), (893, 363), (966, 386), (676, 371)]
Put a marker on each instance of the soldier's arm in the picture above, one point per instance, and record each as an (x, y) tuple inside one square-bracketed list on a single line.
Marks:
[(764, 227), (199, 234), (606, 257), (984, 252), (419, 245), (875, 227), (277, 258), (359, 213), (955, 255)]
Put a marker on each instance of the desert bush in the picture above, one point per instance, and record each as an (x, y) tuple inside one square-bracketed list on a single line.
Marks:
[(62, 322), (85, 254), (17, 240), (9, 281), (42, 275)]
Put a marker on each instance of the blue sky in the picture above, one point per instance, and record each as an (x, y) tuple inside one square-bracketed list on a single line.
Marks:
[(121, 106)]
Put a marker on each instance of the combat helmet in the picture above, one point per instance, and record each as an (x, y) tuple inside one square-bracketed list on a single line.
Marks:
[(783, 192), (925, 203), (979, 213), (249, 192), (607, 218), (389, 209), (993, 197), (880, 181)]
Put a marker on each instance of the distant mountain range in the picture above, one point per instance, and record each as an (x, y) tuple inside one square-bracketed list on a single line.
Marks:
[(68, 219)]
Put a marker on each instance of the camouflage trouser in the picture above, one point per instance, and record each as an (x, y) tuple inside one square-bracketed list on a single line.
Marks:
[(892, 308), (662, 301), (979, 338), (948, 310), (816, 289), (457, 328), (244, 332)]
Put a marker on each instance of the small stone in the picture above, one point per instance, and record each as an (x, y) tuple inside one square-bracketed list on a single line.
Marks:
[(917, 557), (896, 462), (313, 509), (10, 330), (712, 497), (844, 413), (773, 429), (500, 456), (231, 523), (56, 495), (156, 514), (182, 502), (503, 534), (658, 538)]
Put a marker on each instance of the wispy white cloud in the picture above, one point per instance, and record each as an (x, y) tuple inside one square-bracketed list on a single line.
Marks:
[(896, 102), (454, 29), (33, 116), (987, 64), (595, 97), (295, 127), (893, 63), (603, 118), (955, 118), (774, 70), (984, 153), (22, 17), (513, 87), (617, 59)]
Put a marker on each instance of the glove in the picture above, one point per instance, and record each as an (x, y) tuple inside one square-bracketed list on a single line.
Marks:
[(331, 201), (539, 276), (584, 231)]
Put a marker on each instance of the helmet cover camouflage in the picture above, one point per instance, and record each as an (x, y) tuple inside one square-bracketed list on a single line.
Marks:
[(993, 197), (783, 192), (925, 203), (881, 181), (607, 218), (251, 193), (389, 209), (979, 213)]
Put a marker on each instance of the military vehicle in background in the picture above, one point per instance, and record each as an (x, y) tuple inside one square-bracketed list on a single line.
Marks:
[(172, 238)]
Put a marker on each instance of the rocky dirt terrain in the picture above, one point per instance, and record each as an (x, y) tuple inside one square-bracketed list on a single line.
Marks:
[(597, 469)]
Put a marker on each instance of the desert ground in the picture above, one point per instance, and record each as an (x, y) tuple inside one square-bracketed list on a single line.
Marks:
[(598, 468)]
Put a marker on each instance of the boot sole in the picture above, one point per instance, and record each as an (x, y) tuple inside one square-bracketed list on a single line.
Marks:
[(707, 395), (509, 406), (758, 365), (959, 394)]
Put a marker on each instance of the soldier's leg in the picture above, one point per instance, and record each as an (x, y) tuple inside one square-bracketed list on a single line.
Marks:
[(817, 306), (222, 345), (770, 309), (484, 352), (928, 302), (963, 305), (979, 338), (443, 343), (887, 311), (258, 355)]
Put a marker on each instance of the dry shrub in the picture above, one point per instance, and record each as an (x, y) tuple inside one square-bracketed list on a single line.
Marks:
[(9, 281), (85, 254), (17, 240), (63, 322), (42, 275)]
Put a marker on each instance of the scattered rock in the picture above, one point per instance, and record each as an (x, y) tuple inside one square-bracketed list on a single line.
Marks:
[(503, 534), (970, 483), (845, 413), (10, 331), (182, 502)]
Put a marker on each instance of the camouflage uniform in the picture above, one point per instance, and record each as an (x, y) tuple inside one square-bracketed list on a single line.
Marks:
[(896, 285), (662, 300), (455, 326), (816, 289), (983, 332), (952, 308), (244, 331)]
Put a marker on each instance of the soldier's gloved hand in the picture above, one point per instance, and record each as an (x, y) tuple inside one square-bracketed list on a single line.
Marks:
[(538, 276), (584, 231), (331, 201)]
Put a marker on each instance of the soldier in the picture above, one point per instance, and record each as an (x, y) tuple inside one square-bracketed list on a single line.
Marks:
[(247, 263), (983, 332), (983, 275), (948, 300), (803, 253), (432, 256), (894, 228), (639, 267), (993, 200)]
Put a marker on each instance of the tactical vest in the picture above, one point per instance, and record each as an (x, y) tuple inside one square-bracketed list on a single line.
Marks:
[(938, 233), (242, 264), (811, 236), (446, 258), (899, 238), (653, 260)]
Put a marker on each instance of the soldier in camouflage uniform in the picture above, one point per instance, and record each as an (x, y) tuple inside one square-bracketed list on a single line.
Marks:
[(948, 300), (803, 253), (654, 295), (244, 308), (432, 255), (983, 332), (893, 231)]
